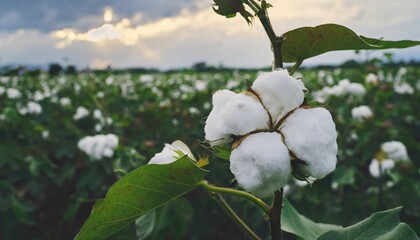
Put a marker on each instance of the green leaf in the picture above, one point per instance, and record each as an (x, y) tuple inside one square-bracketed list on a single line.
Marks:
[(139, 192), (381, 225), (145, 225), (343, 175), (301, 226), (306, 42)]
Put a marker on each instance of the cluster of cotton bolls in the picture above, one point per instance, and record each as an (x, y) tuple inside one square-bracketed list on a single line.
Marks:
[(31, 108), (361, 113), (98, 146), (343, 88), (271, 134), (102, 121), (391, 152)]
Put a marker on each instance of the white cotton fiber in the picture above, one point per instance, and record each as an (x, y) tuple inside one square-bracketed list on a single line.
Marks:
[(395, 150), (377, 168), (214, 129), (310, 134), (243, 114), (261, 163), (98, 146), (170, 153), (361, 113), (279, 92)]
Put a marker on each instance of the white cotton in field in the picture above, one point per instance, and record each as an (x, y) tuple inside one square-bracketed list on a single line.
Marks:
[(65, 101), (377, 168), (395, 150), (243, 114), (214, 130), (403, 88), (279, 92), (171, 152), (97, 114), (261, 163), (361, 112), (13, 93), (81, 112), (310, 134), (371, 79), (98, 146)]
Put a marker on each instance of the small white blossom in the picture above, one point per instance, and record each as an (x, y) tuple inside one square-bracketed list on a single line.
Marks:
[(65, 101), (403, 88)]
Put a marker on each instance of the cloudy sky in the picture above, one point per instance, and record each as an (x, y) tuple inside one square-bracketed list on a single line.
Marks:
[(169, 34)]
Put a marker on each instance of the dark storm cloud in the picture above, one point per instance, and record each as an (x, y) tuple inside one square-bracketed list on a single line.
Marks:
[(49, 15)]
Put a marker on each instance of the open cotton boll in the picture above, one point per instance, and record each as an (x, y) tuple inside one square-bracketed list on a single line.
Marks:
[(279, 92), (170, 153), (377, 168), (395, 150), (261, 163), (98, 146), (214, 129), (310, 134), (243, 114), (361, 112)]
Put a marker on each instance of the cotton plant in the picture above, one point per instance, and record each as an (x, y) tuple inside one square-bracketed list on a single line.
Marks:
[(269, 134)]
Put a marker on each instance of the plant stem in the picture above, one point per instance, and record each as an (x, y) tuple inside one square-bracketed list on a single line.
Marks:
[(275, 215), (295, 67), (276, 41), (219, 198), (262, 205)]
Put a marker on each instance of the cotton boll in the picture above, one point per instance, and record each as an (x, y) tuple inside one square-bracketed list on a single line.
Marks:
[(403, 88), (13, 93), (98, 146), (170, 153), (243, 114), (214, 130), (261, 163), (65, 101), (279, 92), (310, 134), (112, 140), (371, 79), (108, 152), (378, 167), (361, 113), (395, 150), (81, 112)]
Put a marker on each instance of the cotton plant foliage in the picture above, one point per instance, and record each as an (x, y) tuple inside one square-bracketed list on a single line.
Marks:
[(268, 128)]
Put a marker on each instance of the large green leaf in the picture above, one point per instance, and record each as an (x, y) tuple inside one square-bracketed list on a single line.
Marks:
[(306, 42), (381, 225), (139, 192), (293, 222)]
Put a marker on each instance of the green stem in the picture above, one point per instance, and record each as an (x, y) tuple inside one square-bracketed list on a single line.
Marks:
[(262, 205), (275, 215), (253, 5), (219, 198), (295, 67), (276, 41)]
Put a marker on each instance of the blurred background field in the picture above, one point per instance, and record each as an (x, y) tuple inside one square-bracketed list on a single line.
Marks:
[(48, 185)]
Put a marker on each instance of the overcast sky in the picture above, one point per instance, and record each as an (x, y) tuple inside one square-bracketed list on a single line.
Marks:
[(169, 34)]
